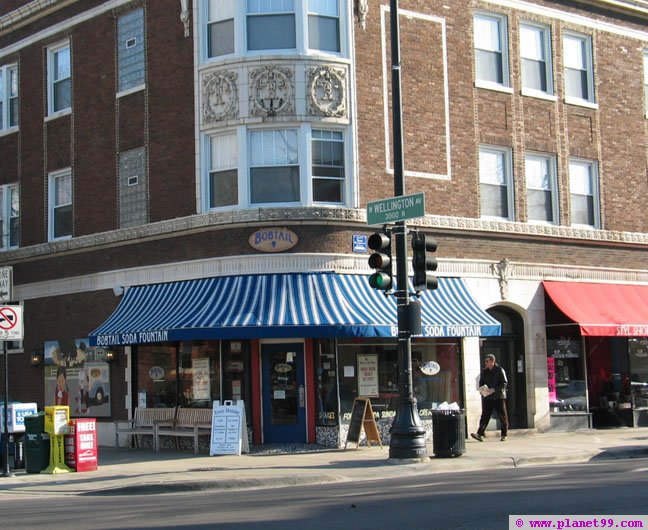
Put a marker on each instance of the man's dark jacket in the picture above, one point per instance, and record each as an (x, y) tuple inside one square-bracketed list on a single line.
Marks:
[(494, 377)]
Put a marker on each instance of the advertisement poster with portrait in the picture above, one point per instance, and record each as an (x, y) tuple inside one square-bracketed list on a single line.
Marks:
[(77, 375)]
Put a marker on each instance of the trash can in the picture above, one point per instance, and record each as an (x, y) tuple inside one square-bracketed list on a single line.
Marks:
[(37, 443), (448, 433)]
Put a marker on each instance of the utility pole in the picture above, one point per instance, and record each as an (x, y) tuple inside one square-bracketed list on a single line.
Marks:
[(407, 432)]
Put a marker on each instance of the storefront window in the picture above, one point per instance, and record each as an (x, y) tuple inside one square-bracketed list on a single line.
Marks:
[(199, 374), (236, 373), (325, 371), (565, 373), (370, 369), (638, 352)]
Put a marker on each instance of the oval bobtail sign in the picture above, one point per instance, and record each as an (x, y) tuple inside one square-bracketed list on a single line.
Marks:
[(273, 239)]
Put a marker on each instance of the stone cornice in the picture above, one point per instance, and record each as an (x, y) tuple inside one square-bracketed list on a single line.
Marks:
[(351, 217), (30, 12)]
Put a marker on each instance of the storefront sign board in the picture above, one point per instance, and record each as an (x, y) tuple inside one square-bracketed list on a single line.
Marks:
[(368, 375), (362, 416), (229, 429)]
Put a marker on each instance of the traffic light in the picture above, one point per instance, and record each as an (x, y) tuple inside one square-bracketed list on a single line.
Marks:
[(381, 260), (422, 263)]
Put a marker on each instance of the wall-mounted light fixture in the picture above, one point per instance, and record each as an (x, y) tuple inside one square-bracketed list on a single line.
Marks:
[(37, 357), (110, 356)]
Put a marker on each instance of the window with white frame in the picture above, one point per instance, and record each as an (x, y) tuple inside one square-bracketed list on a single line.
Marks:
[(535, 52), (271, 25), (324, 25), (579, 73), (491, 49), (8, 96), (274, 166), (220, 27), (542, 203), (130, 50), (60, 204), (583, 189), (59, 78), (496, 183), (328, 166), (9, 216), (645, 73), (223, 172)]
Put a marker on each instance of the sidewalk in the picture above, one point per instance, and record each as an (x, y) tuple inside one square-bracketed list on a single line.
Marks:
[(143, 471)]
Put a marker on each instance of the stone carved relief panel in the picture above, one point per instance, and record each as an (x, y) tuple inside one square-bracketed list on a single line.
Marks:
[(219, 96), (272, 91), (327, 93)]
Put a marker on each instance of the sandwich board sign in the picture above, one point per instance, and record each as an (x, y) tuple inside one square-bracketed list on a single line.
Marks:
[(11, 322), (228, 429)]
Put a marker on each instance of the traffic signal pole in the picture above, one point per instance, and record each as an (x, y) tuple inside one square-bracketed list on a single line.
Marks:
[(407, 432)]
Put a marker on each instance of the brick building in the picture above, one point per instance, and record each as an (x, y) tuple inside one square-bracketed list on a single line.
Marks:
[(184, 186)]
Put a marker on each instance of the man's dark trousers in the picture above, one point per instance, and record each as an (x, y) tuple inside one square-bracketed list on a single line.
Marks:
[(488, 406)]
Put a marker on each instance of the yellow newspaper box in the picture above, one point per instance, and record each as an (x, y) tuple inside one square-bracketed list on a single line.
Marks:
[(57, 418)]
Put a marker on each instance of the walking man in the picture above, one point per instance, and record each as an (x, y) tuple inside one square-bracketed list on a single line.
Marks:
[(492, 385)]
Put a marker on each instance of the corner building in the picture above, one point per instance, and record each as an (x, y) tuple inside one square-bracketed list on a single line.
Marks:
[(184, 189)]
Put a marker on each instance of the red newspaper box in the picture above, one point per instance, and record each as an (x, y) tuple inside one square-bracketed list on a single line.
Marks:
[(81, 445)]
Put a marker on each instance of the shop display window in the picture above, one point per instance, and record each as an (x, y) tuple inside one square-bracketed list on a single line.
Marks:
[(638, 354), (325, 378), (565, 374), (237, 384), (370, 369)]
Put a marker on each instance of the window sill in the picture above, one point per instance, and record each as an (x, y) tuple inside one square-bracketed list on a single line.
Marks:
[(59, 114), (581, 103), (8, 131), (538, 94), (128, 91), (493, 86)]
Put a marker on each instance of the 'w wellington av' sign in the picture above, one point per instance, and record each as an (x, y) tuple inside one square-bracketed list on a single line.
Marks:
[(396, 209)]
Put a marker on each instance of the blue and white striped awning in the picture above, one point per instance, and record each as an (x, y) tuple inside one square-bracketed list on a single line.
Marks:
[(283, 306)]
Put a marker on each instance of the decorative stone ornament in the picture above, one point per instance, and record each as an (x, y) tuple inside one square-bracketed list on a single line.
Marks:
[(363, 8), (327, 92), (184, 16), (219, 96), (503, 270), (272, 91)]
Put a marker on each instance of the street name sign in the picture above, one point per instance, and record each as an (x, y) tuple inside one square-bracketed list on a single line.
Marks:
[(6, 284), (396, 209), (11, 322)]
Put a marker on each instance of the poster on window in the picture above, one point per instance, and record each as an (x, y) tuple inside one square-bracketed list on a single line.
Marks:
[(201, 382), (368, 375), (77, 375)]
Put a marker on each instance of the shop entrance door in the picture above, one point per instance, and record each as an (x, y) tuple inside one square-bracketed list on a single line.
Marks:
[(284, 393), (509, 352)]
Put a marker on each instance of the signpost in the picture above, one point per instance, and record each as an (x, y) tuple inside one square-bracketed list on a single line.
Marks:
[(396, 209)]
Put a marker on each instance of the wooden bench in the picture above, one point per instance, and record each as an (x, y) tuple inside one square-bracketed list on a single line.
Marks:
[(188, 422), (143, 423)]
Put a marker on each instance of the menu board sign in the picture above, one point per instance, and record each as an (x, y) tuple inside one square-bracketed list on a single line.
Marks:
[(368, 375)]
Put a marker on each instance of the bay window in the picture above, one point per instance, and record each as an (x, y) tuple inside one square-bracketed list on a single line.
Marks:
[(274, 166)]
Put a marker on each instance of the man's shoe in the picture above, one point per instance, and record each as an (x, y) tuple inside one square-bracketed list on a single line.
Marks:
[(503, 439), (477, 437)]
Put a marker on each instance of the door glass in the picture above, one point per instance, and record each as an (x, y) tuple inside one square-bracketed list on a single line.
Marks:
[(283, 388)]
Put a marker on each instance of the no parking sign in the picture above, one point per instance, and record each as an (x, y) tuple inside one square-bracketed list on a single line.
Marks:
[(11, 322)]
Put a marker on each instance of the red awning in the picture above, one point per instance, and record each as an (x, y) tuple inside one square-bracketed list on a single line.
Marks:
[(603, 309)]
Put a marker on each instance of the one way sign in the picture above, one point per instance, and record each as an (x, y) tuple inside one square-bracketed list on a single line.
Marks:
[(6, 284)]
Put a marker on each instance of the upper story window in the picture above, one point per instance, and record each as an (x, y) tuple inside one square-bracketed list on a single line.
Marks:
[(220, 27), (491, 50), (130, 50), (328, 166), (8, 96), (496, 183), (271, 25), (535, 52), (541, 188), (291, 166), (60, 205), (59, 78), (579, 72), (583, 188), (9, 216), (223, 174), (324, 25), (274, 166)]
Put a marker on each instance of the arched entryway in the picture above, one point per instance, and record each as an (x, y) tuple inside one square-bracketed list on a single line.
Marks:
[(508, 348)]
